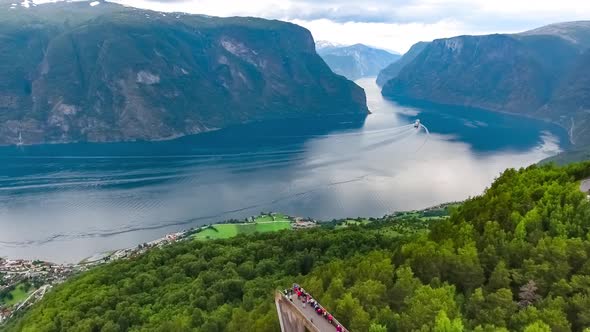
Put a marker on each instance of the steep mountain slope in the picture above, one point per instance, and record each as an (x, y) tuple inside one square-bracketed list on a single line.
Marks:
[(570, 102), (391, 71), (538, 73), (498, 72), (570, 106), (75, 72), (356, 61)]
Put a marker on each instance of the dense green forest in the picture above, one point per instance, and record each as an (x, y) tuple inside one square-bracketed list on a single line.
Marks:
[(515, 258)]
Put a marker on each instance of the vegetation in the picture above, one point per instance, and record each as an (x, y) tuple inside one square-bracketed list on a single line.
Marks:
[(15, 294), (429, 214), (391, 71), (540, 73), (262, 224), (438, 212), (140, 75), (570, 156), (515, 258), (352, 222)]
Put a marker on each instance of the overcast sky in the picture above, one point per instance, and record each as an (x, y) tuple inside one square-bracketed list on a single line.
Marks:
[(389, 24)]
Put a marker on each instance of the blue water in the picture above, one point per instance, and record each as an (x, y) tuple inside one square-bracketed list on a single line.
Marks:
[(67, 202)]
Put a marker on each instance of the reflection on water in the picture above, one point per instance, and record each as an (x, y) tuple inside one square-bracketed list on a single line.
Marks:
[(66, 202)]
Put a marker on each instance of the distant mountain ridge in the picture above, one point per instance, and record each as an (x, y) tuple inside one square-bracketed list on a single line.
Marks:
[(540, 73), (98, 71), (324, 45), (355, 61), (575, 32)]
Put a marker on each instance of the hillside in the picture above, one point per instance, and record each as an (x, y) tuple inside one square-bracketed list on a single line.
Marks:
[(569, 156), (515, 258), (390, 72), (575, 32), (540, 73), (355, 61), (70, 71), (571, 100)]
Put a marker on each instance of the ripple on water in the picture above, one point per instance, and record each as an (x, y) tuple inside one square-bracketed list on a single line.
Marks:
[(67, 202)]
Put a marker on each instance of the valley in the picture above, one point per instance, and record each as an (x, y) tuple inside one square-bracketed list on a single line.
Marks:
[(323, 168), (355, 61), (144, 146)]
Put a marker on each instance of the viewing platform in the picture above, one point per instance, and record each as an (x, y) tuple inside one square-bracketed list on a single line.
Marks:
[(295, 317)]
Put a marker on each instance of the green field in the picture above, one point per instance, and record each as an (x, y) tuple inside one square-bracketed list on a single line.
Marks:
[(262, 224), (19, 294), (275, 217), (442, 212), (353, 222)]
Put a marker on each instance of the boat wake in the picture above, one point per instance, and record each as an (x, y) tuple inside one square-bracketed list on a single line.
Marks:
[(134, 192)]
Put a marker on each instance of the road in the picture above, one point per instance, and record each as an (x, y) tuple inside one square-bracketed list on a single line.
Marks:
[(40, 291)]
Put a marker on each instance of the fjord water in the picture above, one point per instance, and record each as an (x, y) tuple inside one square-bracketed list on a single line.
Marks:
[(66, 202)]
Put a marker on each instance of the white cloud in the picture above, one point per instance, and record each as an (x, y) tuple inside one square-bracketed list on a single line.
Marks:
[(391, 36), (390, 24), (390, 11)]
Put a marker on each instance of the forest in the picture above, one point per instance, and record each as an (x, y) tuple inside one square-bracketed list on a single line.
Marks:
[(514, 258)]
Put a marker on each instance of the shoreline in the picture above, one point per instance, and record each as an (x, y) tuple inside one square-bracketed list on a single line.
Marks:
[(41, 276), (180, 136), (176, 236), (424, 102)]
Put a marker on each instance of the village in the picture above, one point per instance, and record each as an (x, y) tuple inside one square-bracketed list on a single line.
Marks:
[(24, 282)]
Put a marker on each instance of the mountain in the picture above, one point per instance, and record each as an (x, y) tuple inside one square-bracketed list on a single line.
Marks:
[(355, 61), (575, 32), (324, 45), (571, 99), (81, 71), (513, 259), (570, 105), (540, 73), (391, 71)]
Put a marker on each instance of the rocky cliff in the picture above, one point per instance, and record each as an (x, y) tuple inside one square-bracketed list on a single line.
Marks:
[(82, 71), (541, 73)]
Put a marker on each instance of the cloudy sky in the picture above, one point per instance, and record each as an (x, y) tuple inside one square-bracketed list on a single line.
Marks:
[(389, 24)]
